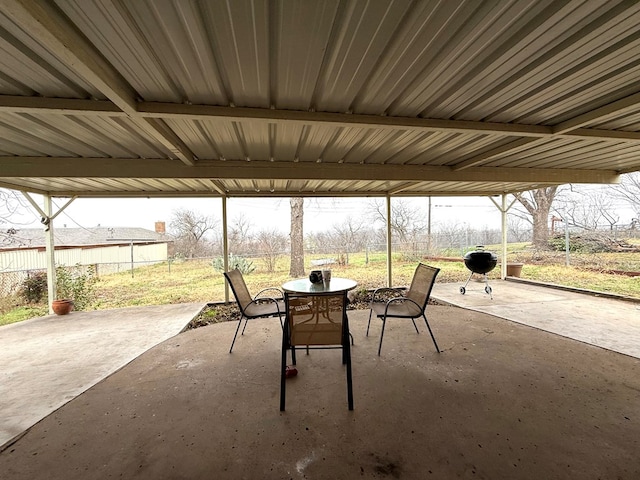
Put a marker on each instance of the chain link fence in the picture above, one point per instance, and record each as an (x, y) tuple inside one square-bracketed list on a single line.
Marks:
[(454, 243)]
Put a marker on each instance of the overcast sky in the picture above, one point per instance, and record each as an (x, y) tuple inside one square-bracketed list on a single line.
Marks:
[(265, 213)]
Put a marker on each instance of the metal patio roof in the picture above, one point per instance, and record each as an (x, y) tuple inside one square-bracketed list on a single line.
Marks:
[(289, 98)]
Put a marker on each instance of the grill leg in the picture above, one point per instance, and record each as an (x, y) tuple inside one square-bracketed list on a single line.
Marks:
[(468, 280), (487, 288)]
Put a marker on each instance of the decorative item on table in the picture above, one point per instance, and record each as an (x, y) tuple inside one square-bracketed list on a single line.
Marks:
[(315, 276), (326, 276)]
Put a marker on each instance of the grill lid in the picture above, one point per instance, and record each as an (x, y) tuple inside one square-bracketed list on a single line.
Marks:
[(480, 260)]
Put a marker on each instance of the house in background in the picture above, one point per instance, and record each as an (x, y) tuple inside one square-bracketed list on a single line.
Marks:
[(110, 249)]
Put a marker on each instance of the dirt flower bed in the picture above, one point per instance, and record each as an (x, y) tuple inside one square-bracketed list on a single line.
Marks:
[(216, 313)]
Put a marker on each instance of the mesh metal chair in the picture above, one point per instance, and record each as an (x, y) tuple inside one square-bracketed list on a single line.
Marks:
[(412, 305), (316, 321), (253, 307)]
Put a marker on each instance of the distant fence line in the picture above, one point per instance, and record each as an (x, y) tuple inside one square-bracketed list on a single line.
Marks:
[(451, 244), (11, 281)]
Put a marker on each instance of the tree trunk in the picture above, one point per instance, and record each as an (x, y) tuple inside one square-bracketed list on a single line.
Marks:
[(297, 237), (541, 229), (539, 208)]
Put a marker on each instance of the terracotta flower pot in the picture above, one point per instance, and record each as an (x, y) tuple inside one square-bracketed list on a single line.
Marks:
[(514, 269), (62, 307)]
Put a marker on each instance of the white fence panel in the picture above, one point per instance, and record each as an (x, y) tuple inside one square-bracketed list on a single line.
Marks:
[(35, 259)]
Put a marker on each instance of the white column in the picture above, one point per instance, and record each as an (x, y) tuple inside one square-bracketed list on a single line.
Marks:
[(503, 263), (50, 251), (504, 208), (225, 247), (47, 220), (389, 271), (429, 228)]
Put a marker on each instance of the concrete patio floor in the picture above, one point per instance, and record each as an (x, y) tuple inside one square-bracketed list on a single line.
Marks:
[(598, 320), (50, 360), (502, 400)]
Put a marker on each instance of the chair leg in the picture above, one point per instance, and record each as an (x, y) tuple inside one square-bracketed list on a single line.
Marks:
[(236, 334), (245, 325), (346, 359), (384, 322), (431, 333), (349, 377), (415, 326), (369, 323), (283, 368), (345, 341)]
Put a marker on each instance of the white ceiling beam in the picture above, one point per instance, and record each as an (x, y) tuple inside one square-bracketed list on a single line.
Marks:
[(59, 106), (211, 112), (511, 147), (64, 167), (630, 104), (401, 188), (441, 192), (163, 111), (11, 185), (44, 22)]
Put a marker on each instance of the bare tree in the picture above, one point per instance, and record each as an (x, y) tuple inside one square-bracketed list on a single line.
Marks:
[(628, 190), (588, 208), (350, 236), (406, 220), (538, 203), (271, 244), (190, 230), (12, 207), (518, 230), (448, 235), (240, 235), (297, 237)]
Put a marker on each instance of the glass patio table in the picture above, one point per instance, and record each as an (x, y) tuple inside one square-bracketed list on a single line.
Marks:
[(335, 285), (318, 292)]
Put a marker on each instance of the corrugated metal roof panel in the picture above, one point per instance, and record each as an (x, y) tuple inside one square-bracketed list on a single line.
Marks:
[(354, 83)]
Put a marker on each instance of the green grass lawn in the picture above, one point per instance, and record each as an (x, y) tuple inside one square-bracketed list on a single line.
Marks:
[(198, 281)]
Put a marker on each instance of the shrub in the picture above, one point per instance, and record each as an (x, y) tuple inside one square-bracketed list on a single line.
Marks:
[(584, 243), (33, 287), (77, 284), (245, 266)]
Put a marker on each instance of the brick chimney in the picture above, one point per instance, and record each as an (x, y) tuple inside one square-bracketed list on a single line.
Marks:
[(160, 228)]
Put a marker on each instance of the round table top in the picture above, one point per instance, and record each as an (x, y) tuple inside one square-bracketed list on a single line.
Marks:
[(304, 285)]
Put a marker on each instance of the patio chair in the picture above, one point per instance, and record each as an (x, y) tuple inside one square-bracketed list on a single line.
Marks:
[(253, 307), (412, 305), (316, 321)]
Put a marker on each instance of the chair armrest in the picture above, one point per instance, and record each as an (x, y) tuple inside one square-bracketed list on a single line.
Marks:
[(257, 301), (257, 295), (402, 300), (377, 291), (376, 296)]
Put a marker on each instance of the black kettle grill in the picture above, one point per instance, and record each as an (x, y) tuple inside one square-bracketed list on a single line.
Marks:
[(482, 262)]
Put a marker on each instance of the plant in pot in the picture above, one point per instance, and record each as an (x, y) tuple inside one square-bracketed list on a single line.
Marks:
[(74, 288)]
